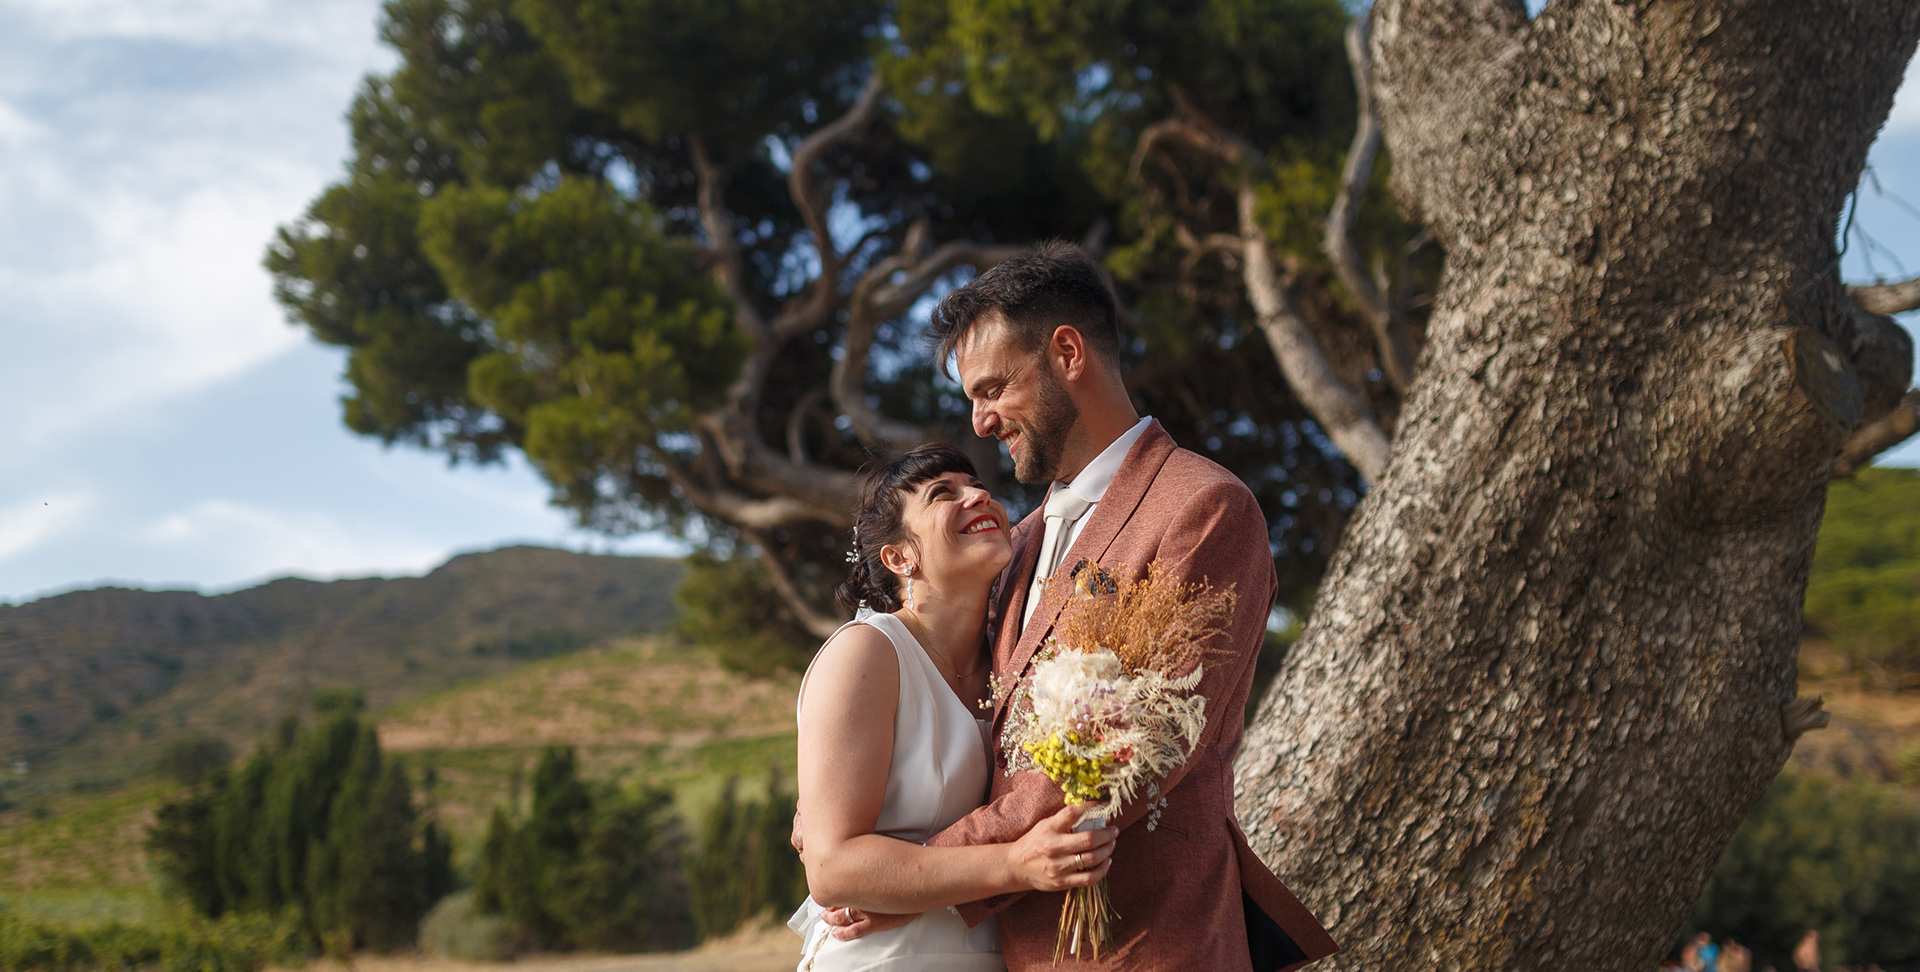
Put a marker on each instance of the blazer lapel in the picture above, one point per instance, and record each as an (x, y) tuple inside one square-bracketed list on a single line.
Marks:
[(1011, 599), (1129, 486)]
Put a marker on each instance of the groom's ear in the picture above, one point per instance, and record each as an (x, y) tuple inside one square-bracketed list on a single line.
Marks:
[(1068, 353)]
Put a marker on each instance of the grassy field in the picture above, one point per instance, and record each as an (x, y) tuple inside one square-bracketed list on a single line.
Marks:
[(86, 849), (638, 710)]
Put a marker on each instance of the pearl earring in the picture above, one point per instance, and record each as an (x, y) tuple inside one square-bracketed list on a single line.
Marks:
[(909, 587)]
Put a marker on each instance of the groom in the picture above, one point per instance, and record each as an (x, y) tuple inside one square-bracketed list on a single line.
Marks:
[(1037, 344)]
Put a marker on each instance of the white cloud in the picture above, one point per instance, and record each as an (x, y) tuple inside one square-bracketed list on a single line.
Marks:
[(27, 525), (255, 542), (151, 149)]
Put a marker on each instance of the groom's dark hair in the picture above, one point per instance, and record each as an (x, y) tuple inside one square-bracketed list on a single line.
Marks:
[(1036, 291)]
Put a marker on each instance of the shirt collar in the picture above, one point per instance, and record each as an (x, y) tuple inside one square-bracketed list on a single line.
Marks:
[(1091, 485)]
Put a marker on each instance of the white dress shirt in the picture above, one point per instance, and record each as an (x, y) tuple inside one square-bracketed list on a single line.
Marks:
[(1091, 485)]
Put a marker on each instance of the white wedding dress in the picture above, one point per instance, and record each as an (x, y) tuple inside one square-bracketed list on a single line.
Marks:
[(938, 775)]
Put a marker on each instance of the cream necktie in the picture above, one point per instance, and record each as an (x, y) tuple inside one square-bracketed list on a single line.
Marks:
[(1063, 509)]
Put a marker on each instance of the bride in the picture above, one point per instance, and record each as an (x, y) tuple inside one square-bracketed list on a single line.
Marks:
[(890, 750)]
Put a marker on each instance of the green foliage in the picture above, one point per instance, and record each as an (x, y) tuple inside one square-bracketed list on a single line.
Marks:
[(724, 609), (193, 759), (184, 943), (1863, 591), (519, 255), (590, 866), (607, 335), (1843, 858), (1906, 763), (745, 866), (339, 698), (670, 67), (317, 826)]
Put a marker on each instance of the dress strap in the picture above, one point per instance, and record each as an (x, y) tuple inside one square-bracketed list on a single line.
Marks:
[(816, 657)]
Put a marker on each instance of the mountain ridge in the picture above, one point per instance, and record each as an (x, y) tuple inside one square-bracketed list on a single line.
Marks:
[(94, 683)]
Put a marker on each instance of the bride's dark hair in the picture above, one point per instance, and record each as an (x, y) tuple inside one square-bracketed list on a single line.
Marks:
[(879, 520)]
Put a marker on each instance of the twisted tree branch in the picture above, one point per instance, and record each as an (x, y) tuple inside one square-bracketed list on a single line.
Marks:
[(1344, 414), (1888, 298), (723, 244), (875, 300), (816, 303), (739, 509), (1389, 326), (1879, 435), (817, 624), (1339, 409)]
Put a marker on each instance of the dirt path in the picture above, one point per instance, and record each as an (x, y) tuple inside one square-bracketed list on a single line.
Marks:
[(773, 949)]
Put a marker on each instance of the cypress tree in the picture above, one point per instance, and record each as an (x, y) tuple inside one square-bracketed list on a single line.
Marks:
[(589, 866), (317, 824), (720, 894)]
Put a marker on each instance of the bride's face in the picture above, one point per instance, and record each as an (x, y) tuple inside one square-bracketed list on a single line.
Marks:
[(960, 530)]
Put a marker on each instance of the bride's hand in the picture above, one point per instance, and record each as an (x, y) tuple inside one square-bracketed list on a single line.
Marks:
[(1051, 857)]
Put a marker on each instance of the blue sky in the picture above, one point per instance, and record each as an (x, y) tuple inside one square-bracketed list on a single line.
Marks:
[(164, 426)]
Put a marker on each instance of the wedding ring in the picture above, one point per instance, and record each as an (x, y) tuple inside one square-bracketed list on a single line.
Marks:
[(1077, 858)]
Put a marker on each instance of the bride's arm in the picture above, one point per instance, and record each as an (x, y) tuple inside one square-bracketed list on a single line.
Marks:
[(846, 747)]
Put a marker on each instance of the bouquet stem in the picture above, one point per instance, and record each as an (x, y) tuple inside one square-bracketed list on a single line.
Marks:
[(1086, 923)]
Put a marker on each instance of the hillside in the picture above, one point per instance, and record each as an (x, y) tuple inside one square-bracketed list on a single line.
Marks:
[(637, 709), (94, 683)]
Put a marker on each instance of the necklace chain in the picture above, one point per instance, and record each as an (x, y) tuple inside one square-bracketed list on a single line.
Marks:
[(956, 675)]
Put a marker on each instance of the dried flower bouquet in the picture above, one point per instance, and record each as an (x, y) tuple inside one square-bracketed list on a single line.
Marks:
[(1106, 711)]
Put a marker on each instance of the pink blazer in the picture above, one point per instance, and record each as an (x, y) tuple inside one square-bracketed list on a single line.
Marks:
[(1190, 893)]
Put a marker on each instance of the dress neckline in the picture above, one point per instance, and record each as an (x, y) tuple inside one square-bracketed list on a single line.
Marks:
[(927, 656)]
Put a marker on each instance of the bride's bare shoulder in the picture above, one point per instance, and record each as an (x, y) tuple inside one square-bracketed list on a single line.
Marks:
[(856, 664)]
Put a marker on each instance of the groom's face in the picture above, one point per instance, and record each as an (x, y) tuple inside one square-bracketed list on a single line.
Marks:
[(1017, 399)]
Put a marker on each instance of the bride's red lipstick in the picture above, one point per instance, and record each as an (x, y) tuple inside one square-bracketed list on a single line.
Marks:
[(985, 516)]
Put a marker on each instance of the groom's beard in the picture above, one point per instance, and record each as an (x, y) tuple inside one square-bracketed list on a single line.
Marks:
[(1042, 440)]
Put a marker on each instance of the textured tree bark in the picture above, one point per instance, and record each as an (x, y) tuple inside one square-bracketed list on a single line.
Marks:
[(1553, 664)]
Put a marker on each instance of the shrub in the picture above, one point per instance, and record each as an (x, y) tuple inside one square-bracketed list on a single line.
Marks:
[(183, 943), (456, 929), (728, 608), (192, 760)]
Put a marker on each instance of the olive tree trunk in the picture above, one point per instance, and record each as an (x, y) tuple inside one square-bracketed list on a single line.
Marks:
[(1554, 663)]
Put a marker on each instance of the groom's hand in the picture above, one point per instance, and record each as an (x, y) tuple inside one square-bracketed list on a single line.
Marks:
[(851, 923)]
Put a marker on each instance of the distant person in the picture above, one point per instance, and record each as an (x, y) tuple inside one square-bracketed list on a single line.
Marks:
[(1672, 962), (1806, 955), (1691, 958), (1709, 952), (1734, 957)]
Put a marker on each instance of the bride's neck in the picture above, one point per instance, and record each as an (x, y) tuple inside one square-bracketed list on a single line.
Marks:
[(948, 625)]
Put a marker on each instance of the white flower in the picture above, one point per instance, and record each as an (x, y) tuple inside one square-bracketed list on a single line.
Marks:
[(1075, 688)]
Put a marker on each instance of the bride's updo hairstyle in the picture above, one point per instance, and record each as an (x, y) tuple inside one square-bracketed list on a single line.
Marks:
[(879, 520)]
